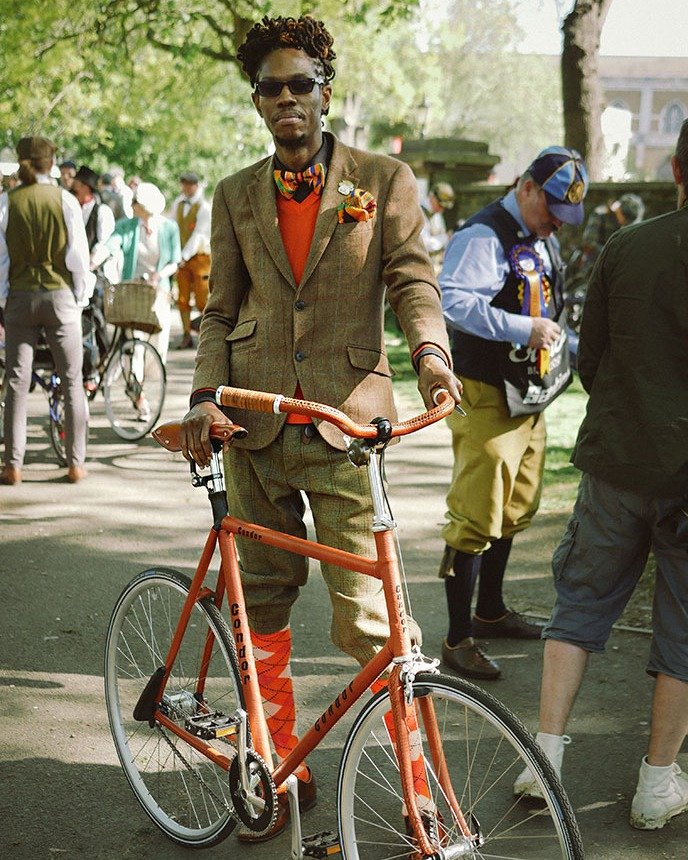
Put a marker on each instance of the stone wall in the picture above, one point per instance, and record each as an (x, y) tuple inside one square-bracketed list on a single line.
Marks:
[(658, 197)]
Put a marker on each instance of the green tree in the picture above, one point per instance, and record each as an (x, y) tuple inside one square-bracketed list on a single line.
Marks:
[(153, 85)]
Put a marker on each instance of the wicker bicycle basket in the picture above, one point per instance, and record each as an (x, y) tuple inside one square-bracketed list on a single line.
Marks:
[(134, 304)]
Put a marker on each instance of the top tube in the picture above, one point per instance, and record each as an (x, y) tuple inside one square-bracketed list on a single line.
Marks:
[(261, 401)]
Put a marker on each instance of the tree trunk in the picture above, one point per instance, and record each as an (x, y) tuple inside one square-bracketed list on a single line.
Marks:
[(581, 88)]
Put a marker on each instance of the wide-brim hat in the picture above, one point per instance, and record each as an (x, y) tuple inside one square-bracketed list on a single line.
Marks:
[(562, 175), (30, 148), (88, 177), (150, 197)]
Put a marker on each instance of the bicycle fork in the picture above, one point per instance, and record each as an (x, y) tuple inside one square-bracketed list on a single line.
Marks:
[(404, 712)]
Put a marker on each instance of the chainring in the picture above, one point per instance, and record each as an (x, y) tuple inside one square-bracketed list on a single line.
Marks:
[(262, 784)]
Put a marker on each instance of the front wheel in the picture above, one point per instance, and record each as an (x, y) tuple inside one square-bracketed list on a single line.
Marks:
[(183, 792), (480, 748), (134, 389)]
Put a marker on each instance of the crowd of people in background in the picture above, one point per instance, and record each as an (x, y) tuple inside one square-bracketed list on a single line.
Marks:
[(114, 231)]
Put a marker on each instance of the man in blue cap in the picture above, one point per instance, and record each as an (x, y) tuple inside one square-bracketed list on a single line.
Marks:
[(502, 296)]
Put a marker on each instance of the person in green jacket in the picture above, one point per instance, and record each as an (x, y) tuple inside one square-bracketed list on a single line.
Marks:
[(151, 250), (632, 448)]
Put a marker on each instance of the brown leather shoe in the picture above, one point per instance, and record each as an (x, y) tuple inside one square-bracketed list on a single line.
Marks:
[(307, 800), (76, 474), (10, 475), (470, 661), (511, 625)]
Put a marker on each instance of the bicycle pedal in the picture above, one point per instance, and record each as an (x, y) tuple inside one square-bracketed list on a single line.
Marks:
[(323, 844), (210, 727)]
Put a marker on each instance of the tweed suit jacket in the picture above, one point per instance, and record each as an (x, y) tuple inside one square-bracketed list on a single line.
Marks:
[(263, 332)]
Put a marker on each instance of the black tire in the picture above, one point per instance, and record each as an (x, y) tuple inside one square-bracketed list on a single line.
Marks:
[(56, 406), (485, 748), (134, 379), (182, 791), (3, 395)]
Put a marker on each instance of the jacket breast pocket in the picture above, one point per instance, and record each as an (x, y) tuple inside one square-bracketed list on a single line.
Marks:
[(351, 245), (243, 336), (370, 360)]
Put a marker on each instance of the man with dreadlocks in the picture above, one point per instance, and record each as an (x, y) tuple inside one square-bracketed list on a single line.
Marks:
[(305, 246)]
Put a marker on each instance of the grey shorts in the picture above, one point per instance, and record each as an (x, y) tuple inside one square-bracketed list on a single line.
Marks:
[(597, 566)]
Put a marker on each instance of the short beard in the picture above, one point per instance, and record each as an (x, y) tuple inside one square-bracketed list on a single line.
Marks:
[(291, 142)]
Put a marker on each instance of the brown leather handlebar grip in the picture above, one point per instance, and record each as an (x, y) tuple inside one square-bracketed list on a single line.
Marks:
[(241, 398)]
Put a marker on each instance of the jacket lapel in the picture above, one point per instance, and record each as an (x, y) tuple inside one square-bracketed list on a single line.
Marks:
[(342, 167), (261, 195)]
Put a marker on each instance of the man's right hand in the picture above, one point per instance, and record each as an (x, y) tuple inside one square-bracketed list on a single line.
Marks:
[(544, 333), (195, 432)]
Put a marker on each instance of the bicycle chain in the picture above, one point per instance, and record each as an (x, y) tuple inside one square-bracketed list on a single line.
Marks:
[(193, 771)]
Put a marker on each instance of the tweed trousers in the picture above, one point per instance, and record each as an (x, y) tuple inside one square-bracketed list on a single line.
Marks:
[(57, 313), (267, 487), (498, 467)]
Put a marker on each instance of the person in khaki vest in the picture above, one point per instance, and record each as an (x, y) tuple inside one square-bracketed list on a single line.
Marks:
[(191, 211), (44, 283)]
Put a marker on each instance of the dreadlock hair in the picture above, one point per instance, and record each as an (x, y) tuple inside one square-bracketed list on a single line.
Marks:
[(304, 33)]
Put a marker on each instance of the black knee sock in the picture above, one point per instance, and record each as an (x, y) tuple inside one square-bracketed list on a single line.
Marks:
[(490, 604), (459, 591)]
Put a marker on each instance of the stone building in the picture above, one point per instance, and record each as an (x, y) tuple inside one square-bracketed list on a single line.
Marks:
[(654, 91)]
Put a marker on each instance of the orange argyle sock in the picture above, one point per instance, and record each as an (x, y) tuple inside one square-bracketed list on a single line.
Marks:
[(272, 652), (420, 779)]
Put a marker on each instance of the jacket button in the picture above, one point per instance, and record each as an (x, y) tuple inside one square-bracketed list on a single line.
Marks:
[(299, 356), (299, 304)]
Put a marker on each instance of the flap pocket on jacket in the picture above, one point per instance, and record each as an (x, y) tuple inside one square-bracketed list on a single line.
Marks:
[(241, 331), (371, 360)]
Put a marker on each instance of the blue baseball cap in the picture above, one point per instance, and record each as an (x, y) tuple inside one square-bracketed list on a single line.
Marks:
[(562, 175)]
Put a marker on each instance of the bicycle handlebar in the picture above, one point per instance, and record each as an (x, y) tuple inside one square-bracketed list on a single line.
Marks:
[(262, 401)]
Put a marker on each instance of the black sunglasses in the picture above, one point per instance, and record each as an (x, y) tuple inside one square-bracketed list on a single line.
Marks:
[(297, 87)]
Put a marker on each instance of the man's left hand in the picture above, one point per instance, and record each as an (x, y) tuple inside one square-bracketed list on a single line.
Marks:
[(433, 373)]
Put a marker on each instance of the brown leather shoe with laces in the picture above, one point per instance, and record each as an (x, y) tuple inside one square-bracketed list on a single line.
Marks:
[(512, 625), (470, 661), (307, 800)]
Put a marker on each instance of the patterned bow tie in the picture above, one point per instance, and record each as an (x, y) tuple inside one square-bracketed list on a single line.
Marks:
[(287, 181)]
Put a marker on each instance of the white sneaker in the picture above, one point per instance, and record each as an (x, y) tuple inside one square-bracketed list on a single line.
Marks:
[(553, 746), (662, 792)]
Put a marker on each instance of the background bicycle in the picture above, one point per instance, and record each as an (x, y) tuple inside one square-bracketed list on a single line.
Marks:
[(45, 377), (129, 372)]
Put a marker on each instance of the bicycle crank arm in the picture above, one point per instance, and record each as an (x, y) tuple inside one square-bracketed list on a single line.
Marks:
[(325, 844)]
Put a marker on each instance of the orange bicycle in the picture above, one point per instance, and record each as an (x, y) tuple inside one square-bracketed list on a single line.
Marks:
[(186, 716)]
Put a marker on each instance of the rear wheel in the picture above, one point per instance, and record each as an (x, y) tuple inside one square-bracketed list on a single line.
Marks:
[(56, 405), (183, 792), (134, 389), (484, 747), (3, 395)]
